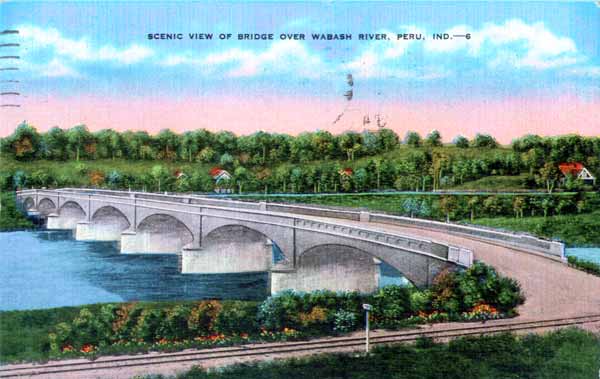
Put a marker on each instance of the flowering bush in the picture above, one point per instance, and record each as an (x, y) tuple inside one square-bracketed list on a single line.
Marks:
[(481, 311), (477, 293)]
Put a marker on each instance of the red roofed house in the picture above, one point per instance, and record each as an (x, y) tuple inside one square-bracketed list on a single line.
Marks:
[(577, 171), (346, 172), (222, 179)]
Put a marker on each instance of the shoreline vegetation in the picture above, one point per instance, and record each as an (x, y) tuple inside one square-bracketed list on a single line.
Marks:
[(569, 353), (11, 218), (477, 293)]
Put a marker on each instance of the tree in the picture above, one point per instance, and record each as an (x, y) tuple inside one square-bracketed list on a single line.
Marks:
[(434, 139), (226, 160), (206, 155), (159, 173), (412, 139), (387, 140), (548, 176), (167, 143), (25, 142), (448, 204), (56, 143), (472, 204), (189, 145), (519, 206), (78, 137), (351, 142), (461, 142), (240, 177), (484, 140), (411, 205)]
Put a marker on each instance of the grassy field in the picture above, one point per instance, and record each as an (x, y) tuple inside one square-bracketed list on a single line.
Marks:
[(575, 230), (496, 183), (570, 353)]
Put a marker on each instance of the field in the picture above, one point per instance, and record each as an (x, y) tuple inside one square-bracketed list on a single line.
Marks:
[(575, 230), (570, 353)]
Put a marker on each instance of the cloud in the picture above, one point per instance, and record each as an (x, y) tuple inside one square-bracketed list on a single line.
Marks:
[(36, 38), (280, 57), (387, 58), (513, 43)]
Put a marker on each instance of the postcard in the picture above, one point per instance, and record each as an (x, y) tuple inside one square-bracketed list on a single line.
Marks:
[(305, 189)]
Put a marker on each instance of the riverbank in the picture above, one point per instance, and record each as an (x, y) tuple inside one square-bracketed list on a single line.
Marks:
[(11, 218), (475, 294), (569, 353)]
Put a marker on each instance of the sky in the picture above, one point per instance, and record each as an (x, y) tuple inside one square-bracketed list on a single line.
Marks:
[(526, 68)]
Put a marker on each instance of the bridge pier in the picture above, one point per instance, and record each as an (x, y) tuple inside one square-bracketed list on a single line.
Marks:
[(61, 222), (340, 270), (150, 243), (233, 257), (89, 231)]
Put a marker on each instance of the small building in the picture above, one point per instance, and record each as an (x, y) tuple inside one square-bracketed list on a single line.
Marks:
[(222, 180), (347, 172), (178, 174), (577, 171)]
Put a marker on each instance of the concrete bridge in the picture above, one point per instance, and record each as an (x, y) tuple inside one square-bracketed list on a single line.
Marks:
[(314, 248)]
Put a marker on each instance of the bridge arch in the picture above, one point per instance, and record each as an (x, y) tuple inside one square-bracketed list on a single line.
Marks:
[(163, 233), (110, 215), (106, 224), (338, 267), (46, 206), (231, 248), (28, 203), (72, 209)]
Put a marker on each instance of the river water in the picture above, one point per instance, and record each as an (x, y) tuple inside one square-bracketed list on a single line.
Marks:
[(45, 269)]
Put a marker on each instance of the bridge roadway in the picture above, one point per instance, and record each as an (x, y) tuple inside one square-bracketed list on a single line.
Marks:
[(551, 287)]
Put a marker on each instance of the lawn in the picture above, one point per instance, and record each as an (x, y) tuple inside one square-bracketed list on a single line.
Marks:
[(575, 230), (495, 183), (570, 353)]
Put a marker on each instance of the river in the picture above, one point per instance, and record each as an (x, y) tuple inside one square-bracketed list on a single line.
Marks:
[(45, 269)]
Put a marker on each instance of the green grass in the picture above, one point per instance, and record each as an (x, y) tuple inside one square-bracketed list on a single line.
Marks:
[(584, 265), (24, 334), (570, 353), (575, 230), (494, 183), (10, 217)]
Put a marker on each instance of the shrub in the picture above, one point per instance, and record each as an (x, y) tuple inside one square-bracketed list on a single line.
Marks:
[(390, 305), (344, 321), (148, 324), (174, 325), (201, 320), (317, 318), (444, 293), (237, 317)]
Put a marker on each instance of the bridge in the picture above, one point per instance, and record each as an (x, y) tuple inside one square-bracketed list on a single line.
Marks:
[(314, 248)]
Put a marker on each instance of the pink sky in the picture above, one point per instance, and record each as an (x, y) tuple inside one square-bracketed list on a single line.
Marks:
[(504, 119)]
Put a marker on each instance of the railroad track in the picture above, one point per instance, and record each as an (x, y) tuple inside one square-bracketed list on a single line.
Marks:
[(347, 343)]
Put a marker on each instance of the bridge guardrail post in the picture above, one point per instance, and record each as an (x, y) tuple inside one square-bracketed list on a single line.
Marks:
[(365, 216)]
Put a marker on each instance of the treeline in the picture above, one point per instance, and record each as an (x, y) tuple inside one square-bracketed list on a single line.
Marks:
[(224, 147), (310, 162)]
